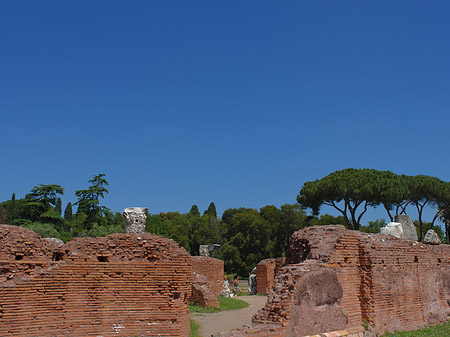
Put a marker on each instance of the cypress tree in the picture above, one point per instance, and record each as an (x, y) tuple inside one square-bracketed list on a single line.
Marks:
[(68, 212), (58, 206), (13, 207), (211, 211), (194, 210)]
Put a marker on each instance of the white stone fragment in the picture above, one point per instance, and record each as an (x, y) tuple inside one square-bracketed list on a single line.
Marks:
[(431, 238), (393, 229), (409, 229), (135, 219)]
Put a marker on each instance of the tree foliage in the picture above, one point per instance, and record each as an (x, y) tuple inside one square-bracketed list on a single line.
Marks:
[(352, 191), (250, 236), (46, 194), (89, 199), (246, 236), (68, 212), (356, 189), (211, 211)]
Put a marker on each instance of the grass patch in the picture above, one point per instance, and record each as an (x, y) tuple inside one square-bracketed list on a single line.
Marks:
[(194, 329), (226, 303), (232, 303), (434, 331)]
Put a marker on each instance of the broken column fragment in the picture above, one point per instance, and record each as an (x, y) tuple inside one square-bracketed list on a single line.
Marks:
[(135, 218)]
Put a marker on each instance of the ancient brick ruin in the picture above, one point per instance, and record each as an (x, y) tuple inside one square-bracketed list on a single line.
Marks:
[(265, 274), (207, 279), (201, 293), (336, 279), (123, 284), (332, 279), (212, 269)]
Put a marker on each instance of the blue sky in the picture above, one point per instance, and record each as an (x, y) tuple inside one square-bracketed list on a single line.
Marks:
[(240, 103)]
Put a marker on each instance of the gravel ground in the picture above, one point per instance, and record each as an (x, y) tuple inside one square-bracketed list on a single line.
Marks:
[(224, 321)]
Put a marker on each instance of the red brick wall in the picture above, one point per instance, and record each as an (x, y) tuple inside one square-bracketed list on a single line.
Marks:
[(392, 284), (265, 274), (212, 269), (124, 284)]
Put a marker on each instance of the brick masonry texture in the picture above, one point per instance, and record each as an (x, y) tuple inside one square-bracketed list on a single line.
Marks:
[(201, 294), (120, 285), (265, 274), (392, 284), (212, 269)]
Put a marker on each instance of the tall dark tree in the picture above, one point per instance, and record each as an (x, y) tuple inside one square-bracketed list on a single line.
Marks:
[(194, 210), (211, 210), (12, 212), (89, 199), (423, 191), (83, 206), (40, 200), (58, 206), (68, 212), (445, 218), (349, 191), (393, 194), (46, 194), (3, 216), (248, 239)]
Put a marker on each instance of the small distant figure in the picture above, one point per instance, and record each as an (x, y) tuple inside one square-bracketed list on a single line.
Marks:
[(252, 282), (225, 287), (236, 290)]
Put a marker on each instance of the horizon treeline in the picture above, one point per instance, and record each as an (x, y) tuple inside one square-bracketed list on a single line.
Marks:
[(245, 235), (352, 191)]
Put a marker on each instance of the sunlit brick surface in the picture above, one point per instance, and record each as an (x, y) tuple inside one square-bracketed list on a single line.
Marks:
[(212, 269), (121, 285), (391, 284), (265, 274)]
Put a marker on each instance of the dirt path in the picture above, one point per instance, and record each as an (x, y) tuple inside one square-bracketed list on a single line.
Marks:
[(224, 321)]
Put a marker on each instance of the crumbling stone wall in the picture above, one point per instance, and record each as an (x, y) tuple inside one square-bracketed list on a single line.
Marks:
[(212, 269), (201, 294), (392, 284), (265, 274), (123, 284)]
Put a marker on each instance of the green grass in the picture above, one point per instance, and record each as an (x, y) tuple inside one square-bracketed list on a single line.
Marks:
[(226, 303), (435, 331), (194, 329)]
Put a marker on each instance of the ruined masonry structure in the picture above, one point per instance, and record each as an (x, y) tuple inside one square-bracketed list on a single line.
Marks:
[(265, 274), (335, 279), (119, 285), (212, 269)]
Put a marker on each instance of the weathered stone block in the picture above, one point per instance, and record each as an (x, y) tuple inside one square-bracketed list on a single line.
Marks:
[(431, 238), (393, 229), (201, 294), (135, 218), (409, 229), (212, 269)]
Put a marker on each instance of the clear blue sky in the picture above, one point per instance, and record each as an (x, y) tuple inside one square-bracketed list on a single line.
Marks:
[(236, 102)]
